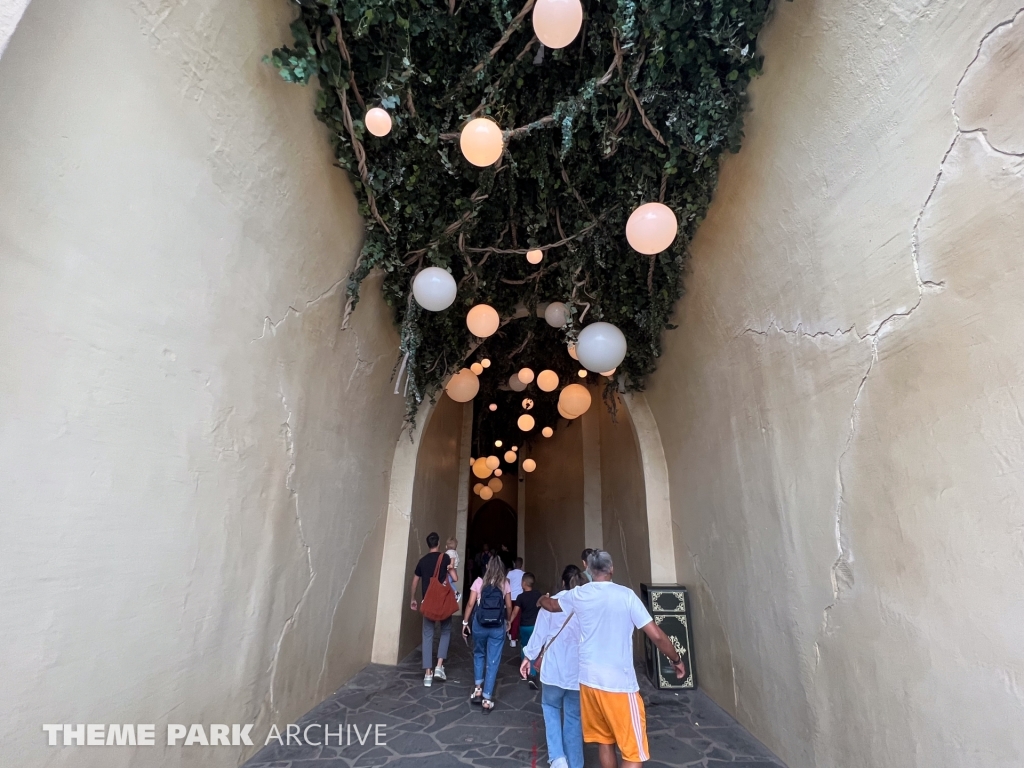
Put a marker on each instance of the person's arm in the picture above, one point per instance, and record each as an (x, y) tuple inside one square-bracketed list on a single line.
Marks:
[(453, 572), (664, 644), (469, 612), (515, 612), (549, 603), (412, 591), (508, 610)]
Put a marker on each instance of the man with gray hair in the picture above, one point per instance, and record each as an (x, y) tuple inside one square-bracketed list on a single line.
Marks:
[(613, 712)]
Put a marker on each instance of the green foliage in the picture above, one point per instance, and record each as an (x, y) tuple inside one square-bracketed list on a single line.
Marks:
[(639, 107)]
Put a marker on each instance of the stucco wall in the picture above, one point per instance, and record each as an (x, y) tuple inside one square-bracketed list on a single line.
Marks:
[(554, 504), (839, 407), (182, 539), (434, 501), (623, 499)]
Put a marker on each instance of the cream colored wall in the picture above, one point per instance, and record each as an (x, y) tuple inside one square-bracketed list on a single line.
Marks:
[(623, 498), (840, 406), (193, 459), (554, 504), (434, 501)]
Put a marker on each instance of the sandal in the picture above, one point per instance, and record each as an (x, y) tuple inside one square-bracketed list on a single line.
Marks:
[(487, 706), (478, 695)]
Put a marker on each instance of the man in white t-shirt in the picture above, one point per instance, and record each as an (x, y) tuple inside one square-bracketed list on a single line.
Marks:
[(515, 580), (613, 712)]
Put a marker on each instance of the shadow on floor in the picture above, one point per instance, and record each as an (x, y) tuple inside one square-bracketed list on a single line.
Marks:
[(437, 727)]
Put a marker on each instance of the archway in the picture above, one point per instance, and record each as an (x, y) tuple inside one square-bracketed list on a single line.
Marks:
[(495, 524)]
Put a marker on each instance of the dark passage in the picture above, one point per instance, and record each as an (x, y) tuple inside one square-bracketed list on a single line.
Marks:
[(437, 727)]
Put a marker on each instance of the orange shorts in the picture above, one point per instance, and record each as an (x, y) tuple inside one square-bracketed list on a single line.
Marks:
[(615, 718)]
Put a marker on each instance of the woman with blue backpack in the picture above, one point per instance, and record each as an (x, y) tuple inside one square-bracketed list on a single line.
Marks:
[(490, 605)]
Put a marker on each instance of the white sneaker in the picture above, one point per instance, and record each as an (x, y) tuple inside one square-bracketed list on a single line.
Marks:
[(512, 643), (559, 762), (428, 680), (439, 673)]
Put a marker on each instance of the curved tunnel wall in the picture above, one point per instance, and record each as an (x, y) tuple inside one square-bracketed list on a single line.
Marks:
[(840, 405)]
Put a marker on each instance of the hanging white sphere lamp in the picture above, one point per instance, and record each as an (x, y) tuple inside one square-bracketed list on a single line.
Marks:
[(471, 460), (526, 422), (493, 462), (565, 414), (492, 407), (498, 443), (547, 431), (601, 347), (610, 373), (495, 484), (476, 368), (651, 228), (497, 472), (556, 314), (529, 465), (480, 468), (510, 457), (481, 142), (525, 375), (572, 352), (547, 381), (557, 22), (378, 121), (486, 493), (527, 404), (536, 256), (463, 386), (486, 362), (582, 373), (575, 399), (477, 488), (434, 289), (482, 320), (515, 383), (515, 447)]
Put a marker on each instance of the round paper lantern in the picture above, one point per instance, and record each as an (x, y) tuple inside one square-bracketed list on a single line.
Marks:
[(378, 121), (610, 373), (547, 380), (536, 256), (526, 422), (492, 407), (477, 487), (497, 473), (481, 142), (493, 462), (547, 431), (601, 347), (471, 460), (434, 289), (582, 373), (529, 465), (476, 368), (527, 404), (486, 362), (556, 314), (565, 414), (515, 447), (486, 493), (515, 384), (651, 228), (510, 457), (463, 386), (572, 352), (557, 22), (480, 468), (495, 484), (575, 399), (497, 443), (525, 375), (482, 320)]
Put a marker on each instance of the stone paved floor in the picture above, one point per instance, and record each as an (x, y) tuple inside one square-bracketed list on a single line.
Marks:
[(437, 727)]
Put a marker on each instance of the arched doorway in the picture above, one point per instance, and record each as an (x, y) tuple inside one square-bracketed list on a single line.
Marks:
[(493, 525)]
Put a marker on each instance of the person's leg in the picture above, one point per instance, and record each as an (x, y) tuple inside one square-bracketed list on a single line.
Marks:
[(525, 633), (606, 756), (572, 729), (495, 643), (479, 654), (596, 727), (428, 644), (625, 713), (551, 702), (442, 645)]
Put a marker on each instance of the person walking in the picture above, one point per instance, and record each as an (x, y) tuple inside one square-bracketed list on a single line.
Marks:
[(524, 611), (451, 549), (515, 580), (586, 567), (610, 704), (557, 637), (425, 569), (487, 611)]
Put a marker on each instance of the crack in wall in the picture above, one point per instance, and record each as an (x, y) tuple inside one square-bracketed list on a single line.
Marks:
[(272, 326), (721, 622)]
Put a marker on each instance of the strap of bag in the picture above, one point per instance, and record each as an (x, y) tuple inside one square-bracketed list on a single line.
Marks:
[(549, 642)]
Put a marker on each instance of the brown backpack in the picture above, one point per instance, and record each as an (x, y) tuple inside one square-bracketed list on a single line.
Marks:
[(439, 603)]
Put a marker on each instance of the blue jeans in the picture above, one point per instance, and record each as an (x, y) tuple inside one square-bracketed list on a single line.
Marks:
[(565, 737), (487, 645), (524, 638)]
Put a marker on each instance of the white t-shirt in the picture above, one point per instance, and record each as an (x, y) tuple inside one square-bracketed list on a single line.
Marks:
[(608, 613), (454, 556), (515, 579), (561, 663)]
